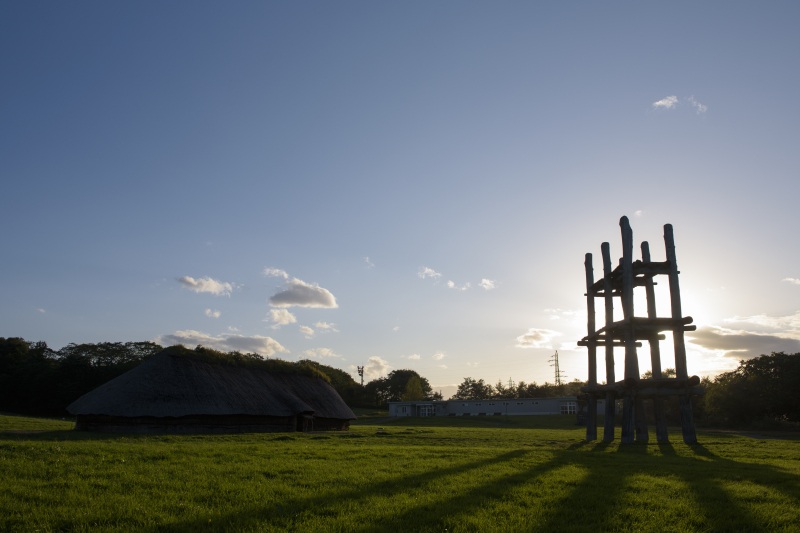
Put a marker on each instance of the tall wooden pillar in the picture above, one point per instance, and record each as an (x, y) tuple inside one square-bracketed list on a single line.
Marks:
[(662, 434), (687, 419), (631, 358), (611, 399), (591, 416)]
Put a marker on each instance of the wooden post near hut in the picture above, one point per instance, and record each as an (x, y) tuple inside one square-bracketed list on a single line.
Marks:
[(628, 333)]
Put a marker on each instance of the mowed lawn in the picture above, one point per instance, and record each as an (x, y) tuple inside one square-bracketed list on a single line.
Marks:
[(477, 474)]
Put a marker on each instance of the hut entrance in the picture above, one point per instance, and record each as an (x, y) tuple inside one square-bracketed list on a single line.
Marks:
[(305, 422), (629, 333)]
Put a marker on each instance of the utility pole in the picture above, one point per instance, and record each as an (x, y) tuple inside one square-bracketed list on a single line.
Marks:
[(361, 373), (558, 374)]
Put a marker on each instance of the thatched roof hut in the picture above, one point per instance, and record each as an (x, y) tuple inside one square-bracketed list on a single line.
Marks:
[(201, 391)]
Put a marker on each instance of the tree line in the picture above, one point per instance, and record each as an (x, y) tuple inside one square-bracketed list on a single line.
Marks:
[(761, 392), (478, 389), (37, 380)]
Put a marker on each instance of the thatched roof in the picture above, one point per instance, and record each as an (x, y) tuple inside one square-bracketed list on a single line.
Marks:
[(177, 383)]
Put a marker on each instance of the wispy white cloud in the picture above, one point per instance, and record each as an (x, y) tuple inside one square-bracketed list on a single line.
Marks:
[(396, 329), (298, 293), (368, 262), (565, 314), (308, 332), (793, 281), (428, 273), (638, 213), (414, 357), (207, 285), (698, 107), (281, 317), (320, 353), (672, 102), (326, 326), (537, 338), (786, 325), (438, 356), (668, 102), (41, 310), (264, 346), (376, 367), (452, 285), (213, 313), (487, 284), (275, 273)]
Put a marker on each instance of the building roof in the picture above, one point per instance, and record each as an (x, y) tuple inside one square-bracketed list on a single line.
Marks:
[(180, 382)]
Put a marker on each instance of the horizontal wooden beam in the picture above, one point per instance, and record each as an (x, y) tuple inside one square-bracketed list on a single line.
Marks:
[(605, 342)]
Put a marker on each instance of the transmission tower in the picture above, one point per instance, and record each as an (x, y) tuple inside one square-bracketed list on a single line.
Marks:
[(361, 374), (558, 374)]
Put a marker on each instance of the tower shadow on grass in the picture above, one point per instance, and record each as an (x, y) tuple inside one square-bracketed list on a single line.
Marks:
[(603, 499)]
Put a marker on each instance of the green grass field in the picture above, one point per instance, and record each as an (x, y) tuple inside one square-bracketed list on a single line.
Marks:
[(435, 474)]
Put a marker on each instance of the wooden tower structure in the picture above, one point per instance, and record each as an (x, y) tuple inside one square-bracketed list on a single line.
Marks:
[(628, 334)]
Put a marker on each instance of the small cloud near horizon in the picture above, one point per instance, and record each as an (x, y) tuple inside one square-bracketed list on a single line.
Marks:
[(281, 317), (326, 326), (263, 346), (376, 367), (786, 325), (321, 353), (487, 284), (793, 281), (298, 293), (213, 313), (741, 344), (207, 285), (537, 338)]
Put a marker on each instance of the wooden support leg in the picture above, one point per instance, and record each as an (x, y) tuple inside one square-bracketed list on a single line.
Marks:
[(640, 419), (662, 435), (659, 411), (610, 416), (687, 421), (627, 419), (591, 419)]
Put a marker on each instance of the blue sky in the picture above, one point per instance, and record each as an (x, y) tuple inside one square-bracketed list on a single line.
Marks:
[(395, 185)]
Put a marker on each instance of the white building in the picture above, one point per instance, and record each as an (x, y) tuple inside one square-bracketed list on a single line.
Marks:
[(565, 405)]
